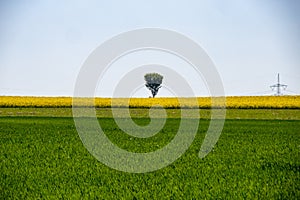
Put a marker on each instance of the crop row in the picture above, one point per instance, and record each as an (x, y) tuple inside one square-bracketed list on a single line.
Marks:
[(290, 102)]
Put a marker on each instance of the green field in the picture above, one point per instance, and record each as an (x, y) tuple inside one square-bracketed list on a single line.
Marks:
[(256, 157)]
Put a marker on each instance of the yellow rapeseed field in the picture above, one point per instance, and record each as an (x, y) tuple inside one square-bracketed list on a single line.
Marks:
[(201, 102)]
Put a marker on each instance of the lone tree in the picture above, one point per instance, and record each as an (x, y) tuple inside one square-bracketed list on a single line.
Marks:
[(153, 82)]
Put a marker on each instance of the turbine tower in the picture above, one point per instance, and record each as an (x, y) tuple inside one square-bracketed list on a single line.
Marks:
[(278, 87)]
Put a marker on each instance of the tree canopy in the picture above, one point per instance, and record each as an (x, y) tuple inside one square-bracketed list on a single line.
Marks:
[(153, 82)]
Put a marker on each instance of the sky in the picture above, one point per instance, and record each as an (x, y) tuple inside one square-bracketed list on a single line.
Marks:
[(43, 44)]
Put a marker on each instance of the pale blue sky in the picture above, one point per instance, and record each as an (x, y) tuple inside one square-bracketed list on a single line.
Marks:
[(43, 44)]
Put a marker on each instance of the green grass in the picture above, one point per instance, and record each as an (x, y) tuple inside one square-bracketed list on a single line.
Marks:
[(256, 156), (284, 114)]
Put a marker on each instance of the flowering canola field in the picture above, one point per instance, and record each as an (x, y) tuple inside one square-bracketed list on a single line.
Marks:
[(290, 102)]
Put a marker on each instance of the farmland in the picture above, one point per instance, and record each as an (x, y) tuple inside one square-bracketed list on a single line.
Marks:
[(277, 102), (257, 156)]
